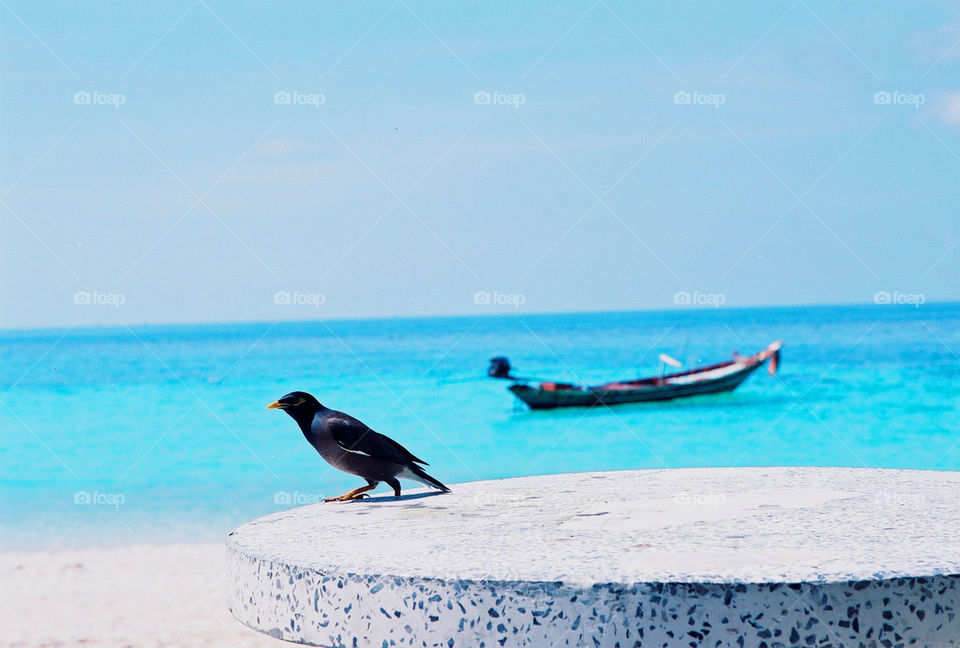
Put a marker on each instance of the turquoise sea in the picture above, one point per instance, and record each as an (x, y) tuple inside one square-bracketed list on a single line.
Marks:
[(155, 434)]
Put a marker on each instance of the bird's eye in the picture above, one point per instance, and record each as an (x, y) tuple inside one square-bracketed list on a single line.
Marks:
[(300, 401)]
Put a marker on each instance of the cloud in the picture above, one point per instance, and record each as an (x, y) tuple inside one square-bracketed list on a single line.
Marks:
[(940, 43), (946, 107), (278, 147)]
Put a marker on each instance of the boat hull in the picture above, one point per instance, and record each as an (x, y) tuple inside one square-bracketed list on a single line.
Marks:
[(537, 398)]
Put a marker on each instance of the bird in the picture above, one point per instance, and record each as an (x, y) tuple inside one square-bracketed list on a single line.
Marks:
[(349, 445)]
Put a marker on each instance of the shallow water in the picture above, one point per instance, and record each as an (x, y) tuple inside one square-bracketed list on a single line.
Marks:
[(159, 433)]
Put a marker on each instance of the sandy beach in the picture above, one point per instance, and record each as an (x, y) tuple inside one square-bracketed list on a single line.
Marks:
[(165, 596)]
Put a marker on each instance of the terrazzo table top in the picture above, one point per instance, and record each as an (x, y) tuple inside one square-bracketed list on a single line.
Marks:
[(715, 525)]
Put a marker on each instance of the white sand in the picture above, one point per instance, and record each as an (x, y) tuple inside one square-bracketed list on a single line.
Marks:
[(168, 596)]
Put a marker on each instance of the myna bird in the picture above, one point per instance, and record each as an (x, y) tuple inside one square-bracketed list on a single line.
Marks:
[(349, 445)]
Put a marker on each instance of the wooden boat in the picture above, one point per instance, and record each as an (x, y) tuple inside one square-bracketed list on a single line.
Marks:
[(712, 379)]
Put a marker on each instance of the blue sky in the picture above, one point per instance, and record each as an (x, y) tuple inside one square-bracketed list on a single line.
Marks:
[(187, 190)]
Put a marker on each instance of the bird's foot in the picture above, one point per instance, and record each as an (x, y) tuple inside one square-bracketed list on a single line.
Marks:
[(347, 497)]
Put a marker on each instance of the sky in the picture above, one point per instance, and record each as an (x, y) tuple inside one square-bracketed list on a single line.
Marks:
[(205, 161)]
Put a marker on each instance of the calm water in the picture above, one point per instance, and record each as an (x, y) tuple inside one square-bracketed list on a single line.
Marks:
[(159, 434)]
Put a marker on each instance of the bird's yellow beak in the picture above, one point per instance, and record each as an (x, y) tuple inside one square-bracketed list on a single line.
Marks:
[(275, 405)]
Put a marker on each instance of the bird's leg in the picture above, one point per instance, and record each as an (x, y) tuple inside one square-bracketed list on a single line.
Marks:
[(395, 485), (356, 493)]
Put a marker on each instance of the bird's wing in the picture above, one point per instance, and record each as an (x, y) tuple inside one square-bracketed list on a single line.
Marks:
[(354, 436)]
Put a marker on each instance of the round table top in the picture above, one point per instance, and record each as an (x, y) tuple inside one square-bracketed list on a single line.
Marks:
[(711, 525)]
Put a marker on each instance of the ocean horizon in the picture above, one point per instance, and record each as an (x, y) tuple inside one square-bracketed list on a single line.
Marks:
[(519, 312), (155, 434)]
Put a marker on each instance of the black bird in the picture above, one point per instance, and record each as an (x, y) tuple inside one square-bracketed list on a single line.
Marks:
[(350, 446)]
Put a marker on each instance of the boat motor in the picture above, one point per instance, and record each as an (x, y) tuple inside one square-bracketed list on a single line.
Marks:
[(500, 368)]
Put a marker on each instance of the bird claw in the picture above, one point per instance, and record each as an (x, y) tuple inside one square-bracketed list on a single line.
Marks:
[(344, 498)]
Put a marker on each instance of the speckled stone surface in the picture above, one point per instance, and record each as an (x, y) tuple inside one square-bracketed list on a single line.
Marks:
[(695, 557)]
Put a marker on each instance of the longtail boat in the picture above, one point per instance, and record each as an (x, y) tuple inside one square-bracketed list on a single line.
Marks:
[(711, 379)]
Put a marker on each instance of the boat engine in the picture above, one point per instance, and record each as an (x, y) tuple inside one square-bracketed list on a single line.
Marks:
[(499, 368)]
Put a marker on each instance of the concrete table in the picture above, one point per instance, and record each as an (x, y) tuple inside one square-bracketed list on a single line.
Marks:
[(744, 557)]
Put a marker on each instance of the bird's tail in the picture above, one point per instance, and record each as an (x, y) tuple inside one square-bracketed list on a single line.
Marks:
[(416, 473)]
